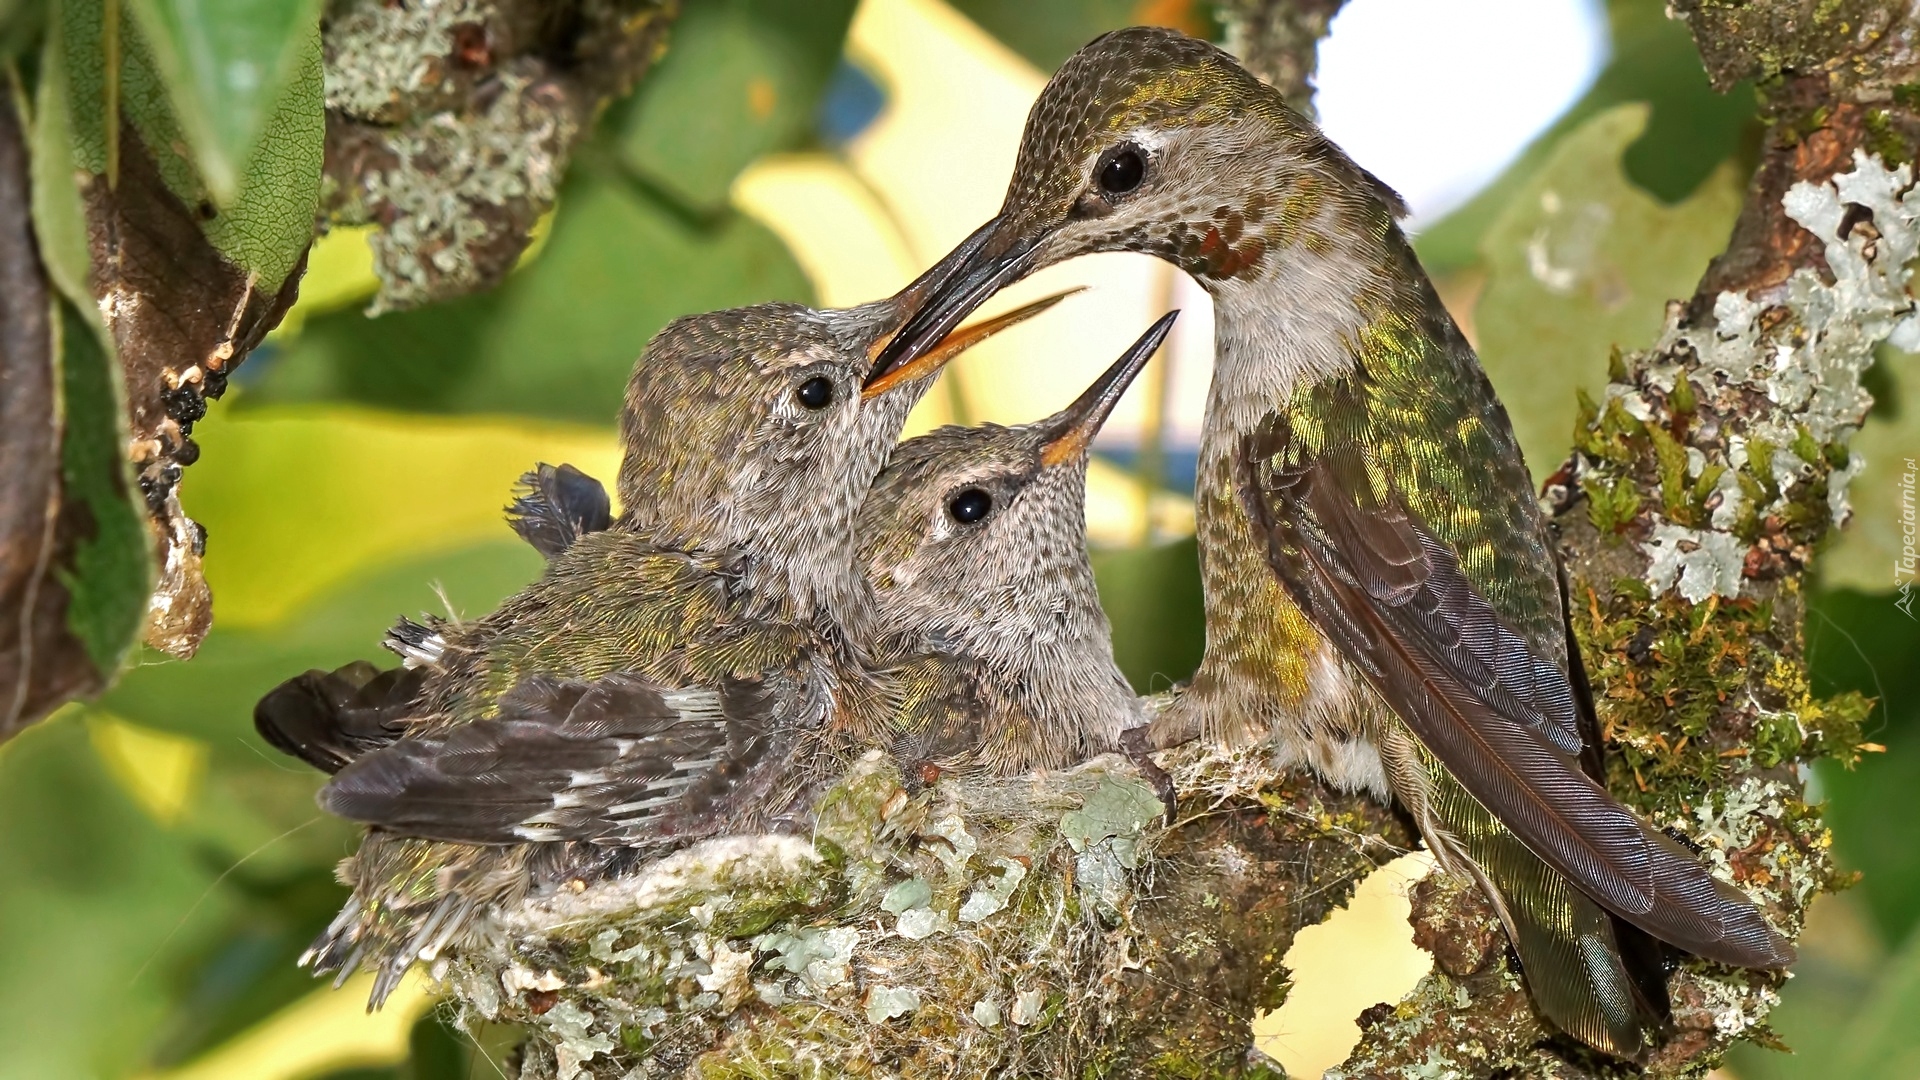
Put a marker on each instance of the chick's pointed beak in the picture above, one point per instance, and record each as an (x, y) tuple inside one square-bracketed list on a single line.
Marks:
[(984, 263), (954, 344), (1077, 424)]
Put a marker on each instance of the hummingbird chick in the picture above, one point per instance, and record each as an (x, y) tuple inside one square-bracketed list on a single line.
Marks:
[(974, 541), (686, 673), (1381, 590)]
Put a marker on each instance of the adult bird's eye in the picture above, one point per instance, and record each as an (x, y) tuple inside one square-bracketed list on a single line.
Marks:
[(815, 393), (969, 506), (1122, 171)]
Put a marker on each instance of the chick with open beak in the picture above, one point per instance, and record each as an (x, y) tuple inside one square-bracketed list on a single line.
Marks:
[(974, 543)]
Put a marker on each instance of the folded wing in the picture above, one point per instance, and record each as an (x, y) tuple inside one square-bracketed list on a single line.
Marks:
[(608, 760), (1502, 719)]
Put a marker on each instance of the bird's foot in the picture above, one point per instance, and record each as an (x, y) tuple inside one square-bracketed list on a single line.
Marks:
[(1134, 742)]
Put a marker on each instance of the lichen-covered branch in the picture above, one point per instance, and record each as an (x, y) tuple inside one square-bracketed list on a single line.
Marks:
[(1278, 41), (450, 124)]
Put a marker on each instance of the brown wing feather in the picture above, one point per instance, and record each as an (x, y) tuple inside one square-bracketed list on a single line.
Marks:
[(1480, 701), (615, 760)]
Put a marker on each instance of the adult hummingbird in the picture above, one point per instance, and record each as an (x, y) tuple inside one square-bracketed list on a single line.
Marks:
[(1381, 590), (686, 673), (974, 542)]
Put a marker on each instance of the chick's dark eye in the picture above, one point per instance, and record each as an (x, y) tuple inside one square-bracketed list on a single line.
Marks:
[(1122, 171), (969, 506), (815, 393)]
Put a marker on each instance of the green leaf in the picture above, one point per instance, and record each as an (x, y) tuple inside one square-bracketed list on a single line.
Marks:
[(59, 217), (559, 338), (741, 78), (1691, 129), (267, 225), (111, 575), (1583, 260), (1047, 33), (260, 216), (1152, 598), (102, 907), (225, 64)]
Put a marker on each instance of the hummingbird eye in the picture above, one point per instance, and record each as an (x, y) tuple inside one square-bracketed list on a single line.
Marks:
[(970, 506), (1121, 170), (816, 393)]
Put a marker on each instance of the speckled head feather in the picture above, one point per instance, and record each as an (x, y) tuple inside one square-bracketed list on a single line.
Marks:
[(974, 543), (754, 430)]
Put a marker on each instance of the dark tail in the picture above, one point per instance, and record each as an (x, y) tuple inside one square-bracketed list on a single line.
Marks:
[(552, 507), (328, 719)]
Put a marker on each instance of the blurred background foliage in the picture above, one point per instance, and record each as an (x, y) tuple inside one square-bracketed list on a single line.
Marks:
[(164, 868)]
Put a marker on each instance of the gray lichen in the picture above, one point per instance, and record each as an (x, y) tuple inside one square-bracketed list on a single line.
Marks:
[(450, 124)]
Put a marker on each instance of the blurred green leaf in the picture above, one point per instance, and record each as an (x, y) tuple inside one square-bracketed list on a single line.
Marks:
[(1047, 33), (225, 64), (250, 972), (212, 697), (1152, 596), (1860, 641), (740, 78), (1690, 131), (559, 338), (101, 906), (298, 499), (435, 1051), (1882, 1042), (1582, 261)]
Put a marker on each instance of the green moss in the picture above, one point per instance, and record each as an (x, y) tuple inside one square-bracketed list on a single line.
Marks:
[(1676, 497), (1610, 435), (1883, 137)]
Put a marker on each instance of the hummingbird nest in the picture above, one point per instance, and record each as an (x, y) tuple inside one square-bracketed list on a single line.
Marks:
[(1043, 926)]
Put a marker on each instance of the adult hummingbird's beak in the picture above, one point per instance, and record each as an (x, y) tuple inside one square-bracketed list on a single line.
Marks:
[(984, 263), (1075, 426), (953, 345)]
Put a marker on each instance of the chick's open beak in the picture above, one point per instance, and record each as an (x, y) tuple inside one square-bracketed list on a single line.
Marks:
[(952, 345), (1077, 424)]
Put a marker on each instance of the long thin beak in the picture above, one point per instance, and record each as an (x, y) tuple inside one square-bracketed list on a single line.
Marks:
[(982, 265), (956, 343), (1079, 422)]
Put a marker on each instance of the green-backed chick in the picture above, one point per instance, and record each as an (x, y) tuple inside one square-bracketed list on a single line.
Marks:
[(689, 672)]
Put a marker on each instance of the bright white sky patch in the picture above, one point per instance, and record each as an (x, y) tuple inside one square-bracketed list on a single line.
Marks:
[(1437, 96)]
